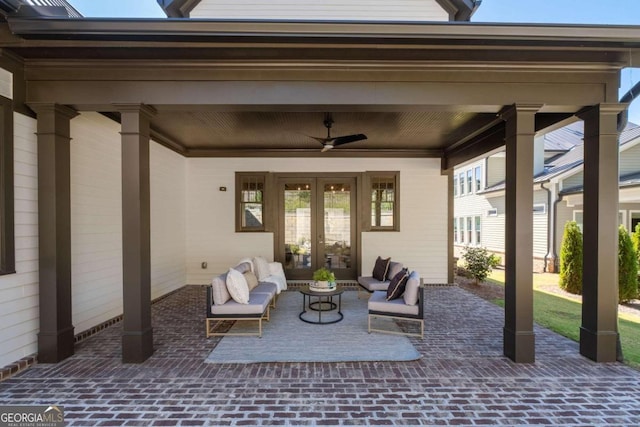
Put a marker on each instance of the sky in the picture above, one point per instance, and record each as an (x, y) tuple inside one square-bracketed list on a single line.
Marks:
[(599, 12)]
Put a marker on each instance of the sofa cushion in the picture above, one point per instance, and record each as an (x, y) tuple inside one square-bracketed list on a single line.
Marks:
[(237, 286), (252, 280), (266, 288), (257, 305), (261, 268), (397, 285), (371, 284), (394, 268), (378, 302), (380, 269), (412, 288), (243, 267), (219, 287)]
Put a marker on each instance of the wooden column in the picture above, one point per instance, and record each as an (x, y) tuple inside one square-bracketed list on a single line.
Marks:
[(599, 330), (519, 339), (56, 336), (137, 337)]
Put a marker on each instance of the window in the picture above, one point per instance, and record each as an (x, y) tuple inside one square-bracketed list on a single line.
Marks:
[(478, 231), (469, 230), (492, 212), (461, 229), (250, 191), (461, 183), (469, 181), (455, 230), (7, 243), (478, 176), (578, 217), (539, 209), (383, 201), (455, 186)]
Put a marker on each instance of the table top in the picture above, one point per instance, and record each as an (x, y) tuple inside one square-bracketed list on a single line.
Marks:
[(308, 291)]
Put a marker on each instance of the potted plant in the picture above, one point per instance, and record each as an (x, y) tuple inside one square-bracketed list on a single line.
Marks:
[(324, 279)]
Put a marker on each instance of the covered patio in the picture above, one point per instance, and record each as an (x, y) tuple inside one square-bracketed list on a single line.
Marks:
[(192, 103), (461, 379)]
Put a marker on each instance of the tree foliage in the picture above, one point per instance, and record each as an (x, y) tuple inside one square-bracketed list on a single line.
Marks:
[(571, 259), (627, 267), (479, 262)]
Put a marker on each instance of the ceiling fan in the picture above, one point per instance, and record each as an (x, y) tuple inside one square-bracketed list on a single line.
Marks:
[(330, 142)]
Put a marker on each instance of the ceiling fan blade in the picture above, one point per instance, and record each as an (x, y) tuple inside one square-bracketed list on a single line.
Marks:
[(348, 138), (320, 140), (326, 147)]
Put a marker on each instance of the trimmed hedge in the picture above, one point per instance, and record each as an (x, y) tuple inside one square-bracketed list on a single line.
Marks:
[(627, 267), (571, 259)]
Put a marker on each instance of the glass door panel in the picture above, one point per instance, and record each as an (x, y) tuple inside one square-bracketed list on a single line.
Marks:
[(297, 227), (337, 225), (317, 218)]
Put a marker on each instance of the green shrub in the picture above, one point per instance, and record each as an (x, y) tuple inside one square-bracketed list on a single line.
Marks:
[(635, 239), (571, 259), (479, 262), (627, 267)]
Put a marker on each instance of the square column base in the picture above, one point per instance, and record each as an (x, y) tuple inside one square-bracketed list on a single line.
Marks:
[(519, 346), (599, 346), (137, 346), (56, 346)]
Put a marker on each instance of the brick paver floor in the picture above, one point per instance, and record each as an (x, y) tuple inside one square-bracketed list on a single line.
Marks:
[(462, 379)]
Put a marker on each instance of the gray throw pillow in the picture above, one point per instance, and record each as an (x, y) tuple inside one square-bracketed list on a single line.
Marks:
[(394, 268)]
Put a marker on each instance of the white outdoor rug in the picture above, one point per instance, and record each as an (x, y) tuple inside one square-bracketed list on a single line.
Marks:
[(288, 339)]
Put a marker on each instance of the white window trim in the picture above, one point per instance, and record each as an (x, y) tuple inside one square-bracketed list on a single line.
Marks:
[(492, 212), (623, 212)]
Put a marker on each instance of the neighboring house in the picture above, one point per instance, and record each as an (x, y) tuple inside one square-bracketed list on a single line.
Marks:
[(134, 153), (479, 213)]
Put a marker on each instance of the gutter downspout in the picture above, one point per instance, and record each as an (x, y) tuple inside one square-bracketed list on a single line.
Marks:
[(550, 231), (629, 97)]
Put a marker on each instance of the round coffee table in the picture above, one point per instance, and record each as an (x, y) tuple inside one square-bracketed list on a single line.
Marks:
[(323, 303)]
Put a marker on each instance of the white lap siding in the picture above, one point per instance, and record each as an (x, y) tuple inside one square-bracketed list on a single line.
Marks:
[(421, 243), (404, 10), (19, 291)]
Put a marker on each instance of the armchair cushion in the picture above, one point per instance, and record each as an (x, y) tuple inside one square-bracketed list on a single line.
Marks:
[(378, 303), (412, 288), (394, 268)]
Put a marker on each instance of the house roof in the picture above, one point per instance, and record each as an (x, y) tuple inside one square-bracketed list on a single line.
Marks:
[(574, 157)]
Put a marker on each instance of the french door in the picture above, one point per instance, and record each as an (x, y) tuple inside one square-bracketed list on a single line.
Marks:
[(317, 228)]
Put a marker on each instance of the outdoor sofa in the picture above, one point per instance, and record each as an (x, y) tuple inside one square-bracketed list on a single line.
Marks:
[(264, 281)]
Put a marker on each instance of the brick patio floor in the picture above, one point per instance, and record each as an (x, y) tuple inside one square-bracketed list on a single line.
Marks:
[(462, 379)]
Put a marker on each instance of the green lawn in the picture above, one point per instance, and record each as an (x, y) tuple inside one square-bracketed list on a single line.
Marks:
[(563, 315)]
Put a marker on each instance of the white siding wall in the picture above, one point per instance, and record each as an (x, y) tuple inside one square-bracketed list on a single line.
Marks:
[(19, 292), (630, 160), (421, 243), (6, 83), (96, 230), (496, 169), (540, 225), (168, 220), (406, 10), (574, 180), (96, 220)]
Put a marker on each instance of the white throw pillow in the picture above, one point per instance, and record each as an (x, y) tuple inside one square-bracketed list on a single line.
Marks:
[(237, 286), (261, 268)]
